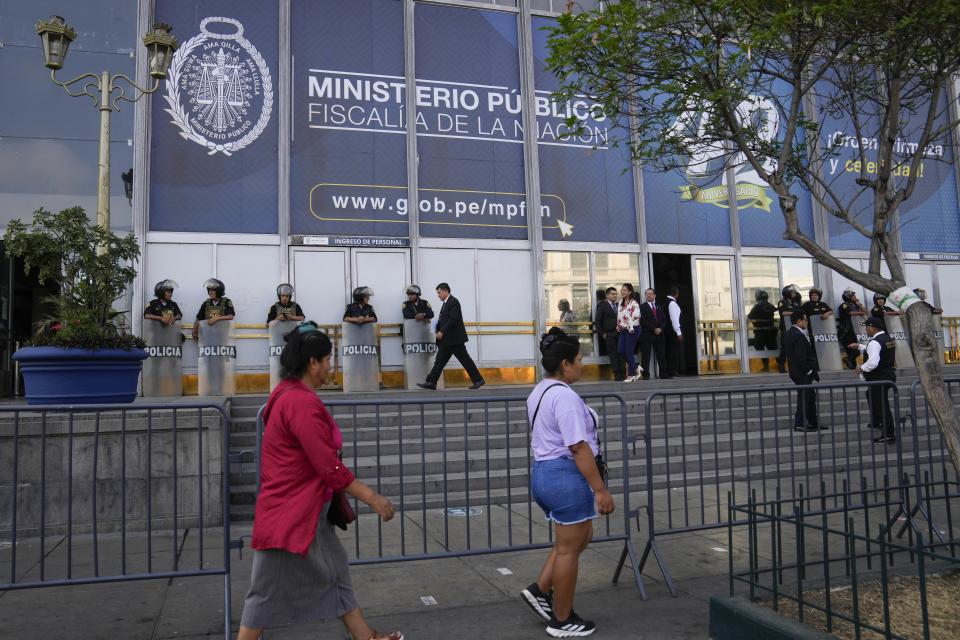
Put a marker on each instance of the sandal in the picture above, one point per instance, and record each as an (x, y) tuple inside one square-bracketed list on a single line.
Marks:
[(393, 635)]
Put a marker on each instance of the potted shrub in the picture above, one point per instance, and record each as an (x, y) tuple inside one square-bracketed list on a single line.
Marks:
[(80, 354)]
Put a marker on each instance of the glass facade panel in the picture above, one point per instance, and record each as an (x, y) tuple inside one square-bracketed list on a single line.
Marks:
[(569, 303), (761, 286), (798, 271), (106, 26), (715, 317)]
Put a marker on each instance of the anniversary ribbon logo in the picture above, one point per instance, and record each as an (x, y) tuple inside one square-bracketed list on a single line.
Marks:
[(219, 90)]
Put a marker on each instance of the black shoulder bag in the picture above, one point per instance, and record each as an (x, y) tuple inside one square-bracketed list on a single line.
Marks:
[(601, 465)]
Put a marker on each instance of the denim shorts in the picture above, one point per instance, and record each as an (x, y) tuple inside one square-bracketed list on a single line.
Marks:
[(562, 492)]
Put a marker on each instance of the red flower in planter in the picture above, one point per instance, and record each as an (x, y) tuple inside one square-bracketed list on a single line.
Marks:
[(57, 326)]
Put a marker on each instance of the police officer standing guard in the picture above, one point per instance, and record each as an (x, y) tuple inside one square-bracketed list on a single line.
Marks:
[(790, 302), (415, 308), (846, 332), (880, 308), (163, 308), (359, 311), (215, 308), (881, 354), (764, 331), (815, 306), (285, 308)]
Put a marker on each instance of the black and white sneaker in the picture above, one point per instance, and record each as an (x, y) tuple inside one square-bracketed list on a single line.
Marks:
[(540, 602), (572, 627)]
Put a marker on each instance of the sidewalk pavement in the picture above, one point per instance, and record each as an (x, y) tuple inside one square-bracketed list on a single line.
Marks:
[(475, 597)]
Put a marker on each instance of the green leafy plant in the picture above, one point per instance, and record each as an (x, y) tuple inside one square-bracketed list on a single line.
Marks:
[(63, 248)]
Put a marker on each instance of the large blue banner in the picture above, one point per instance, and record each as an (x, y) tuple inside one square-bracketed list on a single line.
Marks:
[(587, 174), (348, 166), (213, 161)]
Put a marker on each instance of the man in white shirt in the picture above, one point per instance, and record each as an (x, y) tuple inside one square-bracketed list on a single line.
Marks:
[(674, 336), (881, 353)]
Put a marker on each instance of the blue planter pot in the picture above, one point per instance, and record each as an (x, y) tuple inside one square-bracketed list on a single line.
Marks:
[(53, 375)]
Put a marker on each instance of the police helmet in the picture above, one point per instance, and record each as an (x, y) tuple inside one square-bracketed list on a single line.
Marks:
[(163, 286), (816, 290), (362, 292), (848, 294), (879, 296), (216, 285), (762, 296), (285, 289), (921, 293), (414, 289), (789, 290)]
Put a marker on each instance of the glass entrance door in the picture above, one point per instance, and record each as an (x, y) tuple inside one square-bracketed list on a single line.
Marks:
[(717, 324)]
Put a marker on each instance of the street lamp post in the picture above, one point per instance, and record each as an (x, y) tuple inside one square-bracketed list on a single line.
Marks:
[(56, 36)]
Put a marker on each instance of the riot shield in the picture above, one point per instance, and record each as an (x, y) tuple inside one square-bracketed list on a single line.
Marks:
[(894, 323), (361, 357), (419, 352), (278, 329), (824, 334), (163, 368), (217, 357)]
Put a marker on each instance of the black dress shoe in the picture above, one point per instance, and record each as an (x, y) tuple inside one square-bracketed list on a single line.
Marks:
[(822, 427), (886, 439), (478, 384), (427, 385), (805, 429)]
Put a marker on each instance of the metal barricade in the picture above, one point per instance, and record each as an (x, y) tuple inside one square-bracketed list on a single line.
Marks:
[(701, 445), (114, 493), (457, 470)]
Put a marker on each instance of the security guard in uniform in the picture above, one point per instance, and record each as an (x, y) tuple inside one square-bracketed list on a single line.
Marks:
[(163, 308), (764, 331), (359, 311), (285, 308), (846, 332), (415, 308), (880, 308), (790, 302), (216, 308), (815, 306), (881, 354)]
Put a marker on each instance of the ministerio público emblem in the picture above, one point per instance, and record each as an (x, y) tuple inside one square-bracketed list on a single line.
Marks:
[(219, 90)]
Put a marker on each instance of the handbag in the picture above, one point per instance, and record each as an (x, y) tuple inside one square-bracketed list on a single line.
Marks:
[(601, 465), (340, 513)]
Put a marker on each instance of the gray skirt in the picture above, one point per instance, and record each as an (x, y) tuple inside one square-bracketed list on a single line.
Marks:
[(288, 589)]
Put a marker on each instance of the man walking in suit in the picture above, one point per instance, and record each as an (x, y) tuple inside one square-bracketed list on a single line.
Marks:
[(605, 321), (653, 324), (451, 340), (804, 370)]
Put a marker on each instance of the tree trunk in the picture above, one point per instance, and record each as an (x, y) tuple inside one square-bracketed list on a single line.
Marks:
[(928, 358)]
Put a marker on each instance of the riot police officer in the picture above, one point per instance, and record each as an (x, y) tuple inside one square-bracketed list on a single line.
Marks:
[(790, 302), (216, 308), (764, 331), (415, 308), (815, 306), (285, 308), (846, 332), (163, 308), (880, 308), (359, 311)]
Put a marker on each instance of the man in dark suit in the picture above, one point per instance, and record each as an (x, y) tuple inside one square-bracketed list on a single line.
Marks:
[(804, 370), (653, 324), (451, 340), (605, 321)]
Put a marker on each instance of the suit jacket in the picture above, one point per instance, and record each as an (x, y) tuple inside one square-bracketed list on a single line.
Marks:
[(450, 323), (801, 356), (648, 323), (605, 320)]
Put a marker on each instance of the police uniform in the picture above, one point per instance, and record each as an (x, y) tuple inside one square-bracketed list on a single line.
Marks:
[(764, 331), (785, 307), (359, 310), (811, 308), (880, 312), (846, 333), (277, 310), (215, 309), (880, 415), (411, 309), (164, 308)]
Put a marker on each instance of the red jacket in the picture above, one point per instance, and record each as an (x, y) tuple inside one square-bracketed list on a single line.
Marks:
[(299, 468)]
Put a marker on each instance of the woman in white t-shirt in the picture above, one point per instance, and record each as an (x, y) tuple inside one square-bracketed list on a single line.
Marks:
[(565, 481)]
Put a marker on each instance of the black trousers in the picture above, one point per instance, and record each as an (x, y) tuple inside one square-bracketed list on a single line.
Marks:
[(851, 357), (616, 362), (655, 344), (443, 357), (880, 415), (674, 348), (806, 413)]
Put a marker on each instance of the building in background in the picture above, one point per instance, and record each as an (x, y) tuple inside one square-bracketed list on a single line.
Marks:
[(280, 150)]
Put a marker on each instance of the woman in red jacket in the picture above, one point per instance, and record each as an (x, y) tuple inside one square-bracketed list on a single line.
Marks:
[(300, 571)]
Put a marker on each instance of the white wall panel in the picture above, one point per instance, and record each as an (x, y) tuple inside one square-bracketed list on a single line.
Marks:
[(920, 276), (456, 267), (840, 284), (387, 273), (321, 282), (949, 275), (251, 275), (504, 294)]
